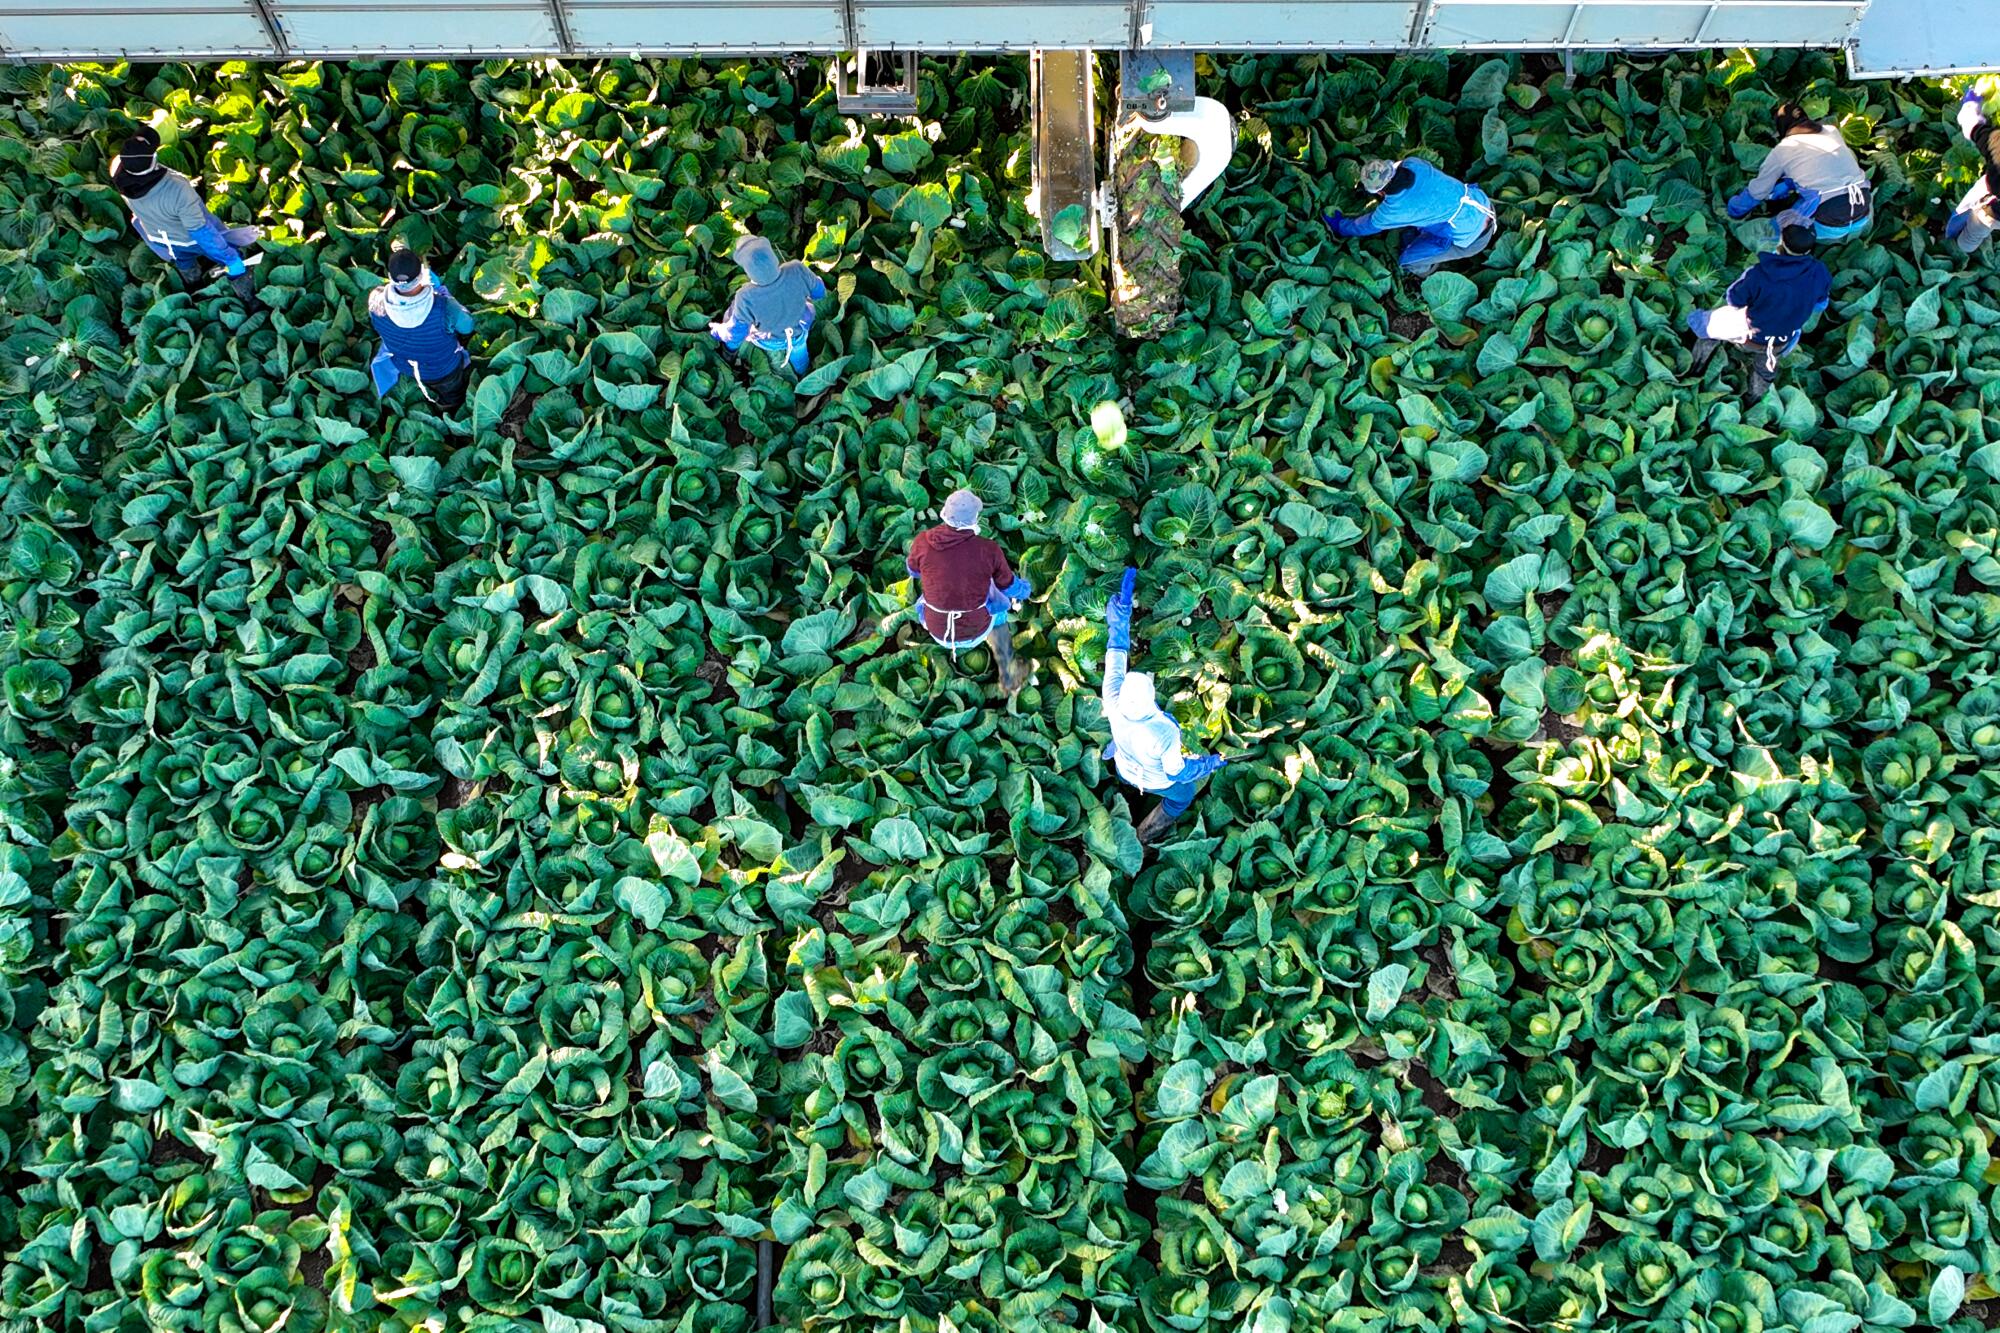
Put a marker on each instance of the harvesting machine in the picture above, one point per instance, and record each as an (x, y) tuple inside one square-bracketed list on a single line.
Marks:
[(1162, 145)]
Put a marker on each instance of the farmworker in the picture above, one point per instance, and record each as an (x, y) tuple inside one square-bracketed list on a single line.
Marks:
[(1769, 305), (1978, 214), (966, 588), (419, 323), (169, 215), (1815, 173), (774, 310), (1145, 741), (1453, 220)]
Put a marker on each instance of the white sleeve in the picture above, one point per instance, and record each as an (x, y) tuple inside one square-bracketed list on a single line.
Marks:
[(1776, 163)]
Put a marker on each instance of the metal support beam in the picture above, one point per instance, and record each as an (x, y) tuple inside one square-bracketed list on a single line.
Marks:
[(273, 29), (1701, 33), (559, 21), (1420, 23)]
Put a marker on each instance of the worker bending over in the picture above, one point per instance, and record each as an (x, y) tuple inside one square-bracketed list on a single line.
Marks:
[(1145, 741), (774, 310), (1769, 305), (1453, 220), (169, 215), (420, 325), (1814, 173), (1977, 216), (966, 588)]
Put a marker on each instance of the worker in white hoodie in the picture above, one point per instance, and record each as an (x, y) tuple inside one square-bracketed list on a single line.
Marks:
[(1145, 741)]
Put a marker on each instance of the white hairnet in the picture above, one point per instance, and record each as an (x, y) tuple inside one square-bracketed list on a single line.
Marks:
[(1136, 699)]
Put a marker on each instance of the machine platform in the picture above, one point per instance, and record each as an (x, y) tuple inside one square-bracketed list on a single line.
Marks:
[(1885, 37)]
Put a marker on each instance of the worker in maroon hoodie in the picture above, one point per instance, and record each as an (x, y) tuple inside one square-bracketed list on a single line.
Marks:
[(966, 588)]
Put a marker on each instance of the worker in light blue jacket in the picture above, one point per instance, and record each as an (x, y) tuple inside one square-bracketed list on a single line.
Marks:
[(420, 325), (1453, 220), (774, 310), (1145, 740)]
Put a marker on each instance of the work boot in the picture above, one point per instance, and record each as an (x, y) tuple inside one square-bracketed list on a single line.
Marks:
[(1704, 351), (190, 271), (1013, 671), (1153, 825), (1761, 380)]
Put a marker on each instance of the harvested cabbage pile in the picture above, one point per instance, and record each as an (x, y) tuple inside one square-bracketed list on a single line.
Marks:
[(496, 873)]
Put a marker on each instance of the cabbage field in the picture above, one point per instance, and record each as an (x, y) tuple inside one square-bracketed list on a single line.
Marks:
[(497, 872)]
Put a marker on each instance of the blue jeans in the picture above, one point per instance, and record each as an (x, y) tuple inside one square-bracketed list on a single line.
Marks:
[(1432, 246), (794, 352), (1175, 800), (1828, 232)]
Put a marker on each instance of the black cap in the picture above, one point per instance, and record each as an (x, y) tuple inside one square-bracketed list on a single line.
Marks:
[(1799, 240), (136, 169), (404, 266), (139, 149)]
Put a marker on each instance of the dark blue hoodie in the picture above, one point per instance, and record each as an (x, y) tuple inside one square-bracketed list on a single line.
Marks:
[(1781, 292)]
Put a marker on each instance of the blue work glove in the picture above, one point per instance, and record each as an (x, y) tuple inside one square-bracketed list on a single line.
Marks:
[(1019, 590), (1742, 204), (1972, 94), (1118, 615), (1207, 764), (1780, 192), (1337, 223), (1956, 225)]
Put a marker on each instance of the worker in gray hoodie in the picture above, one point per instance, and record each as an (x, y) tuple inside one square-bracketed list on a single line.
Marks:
[(1813, 173), (171, 218), (774, 310)]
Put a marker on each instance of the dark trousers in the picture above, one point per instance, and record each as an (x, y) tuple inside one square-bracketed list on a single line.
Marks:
[(449, 392)]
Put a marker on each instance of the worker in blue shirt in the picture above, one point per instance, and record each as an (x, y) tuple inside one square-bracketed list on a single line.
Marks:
[(420, 325), (774, 310), (1767, 308), (1453, 220)]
